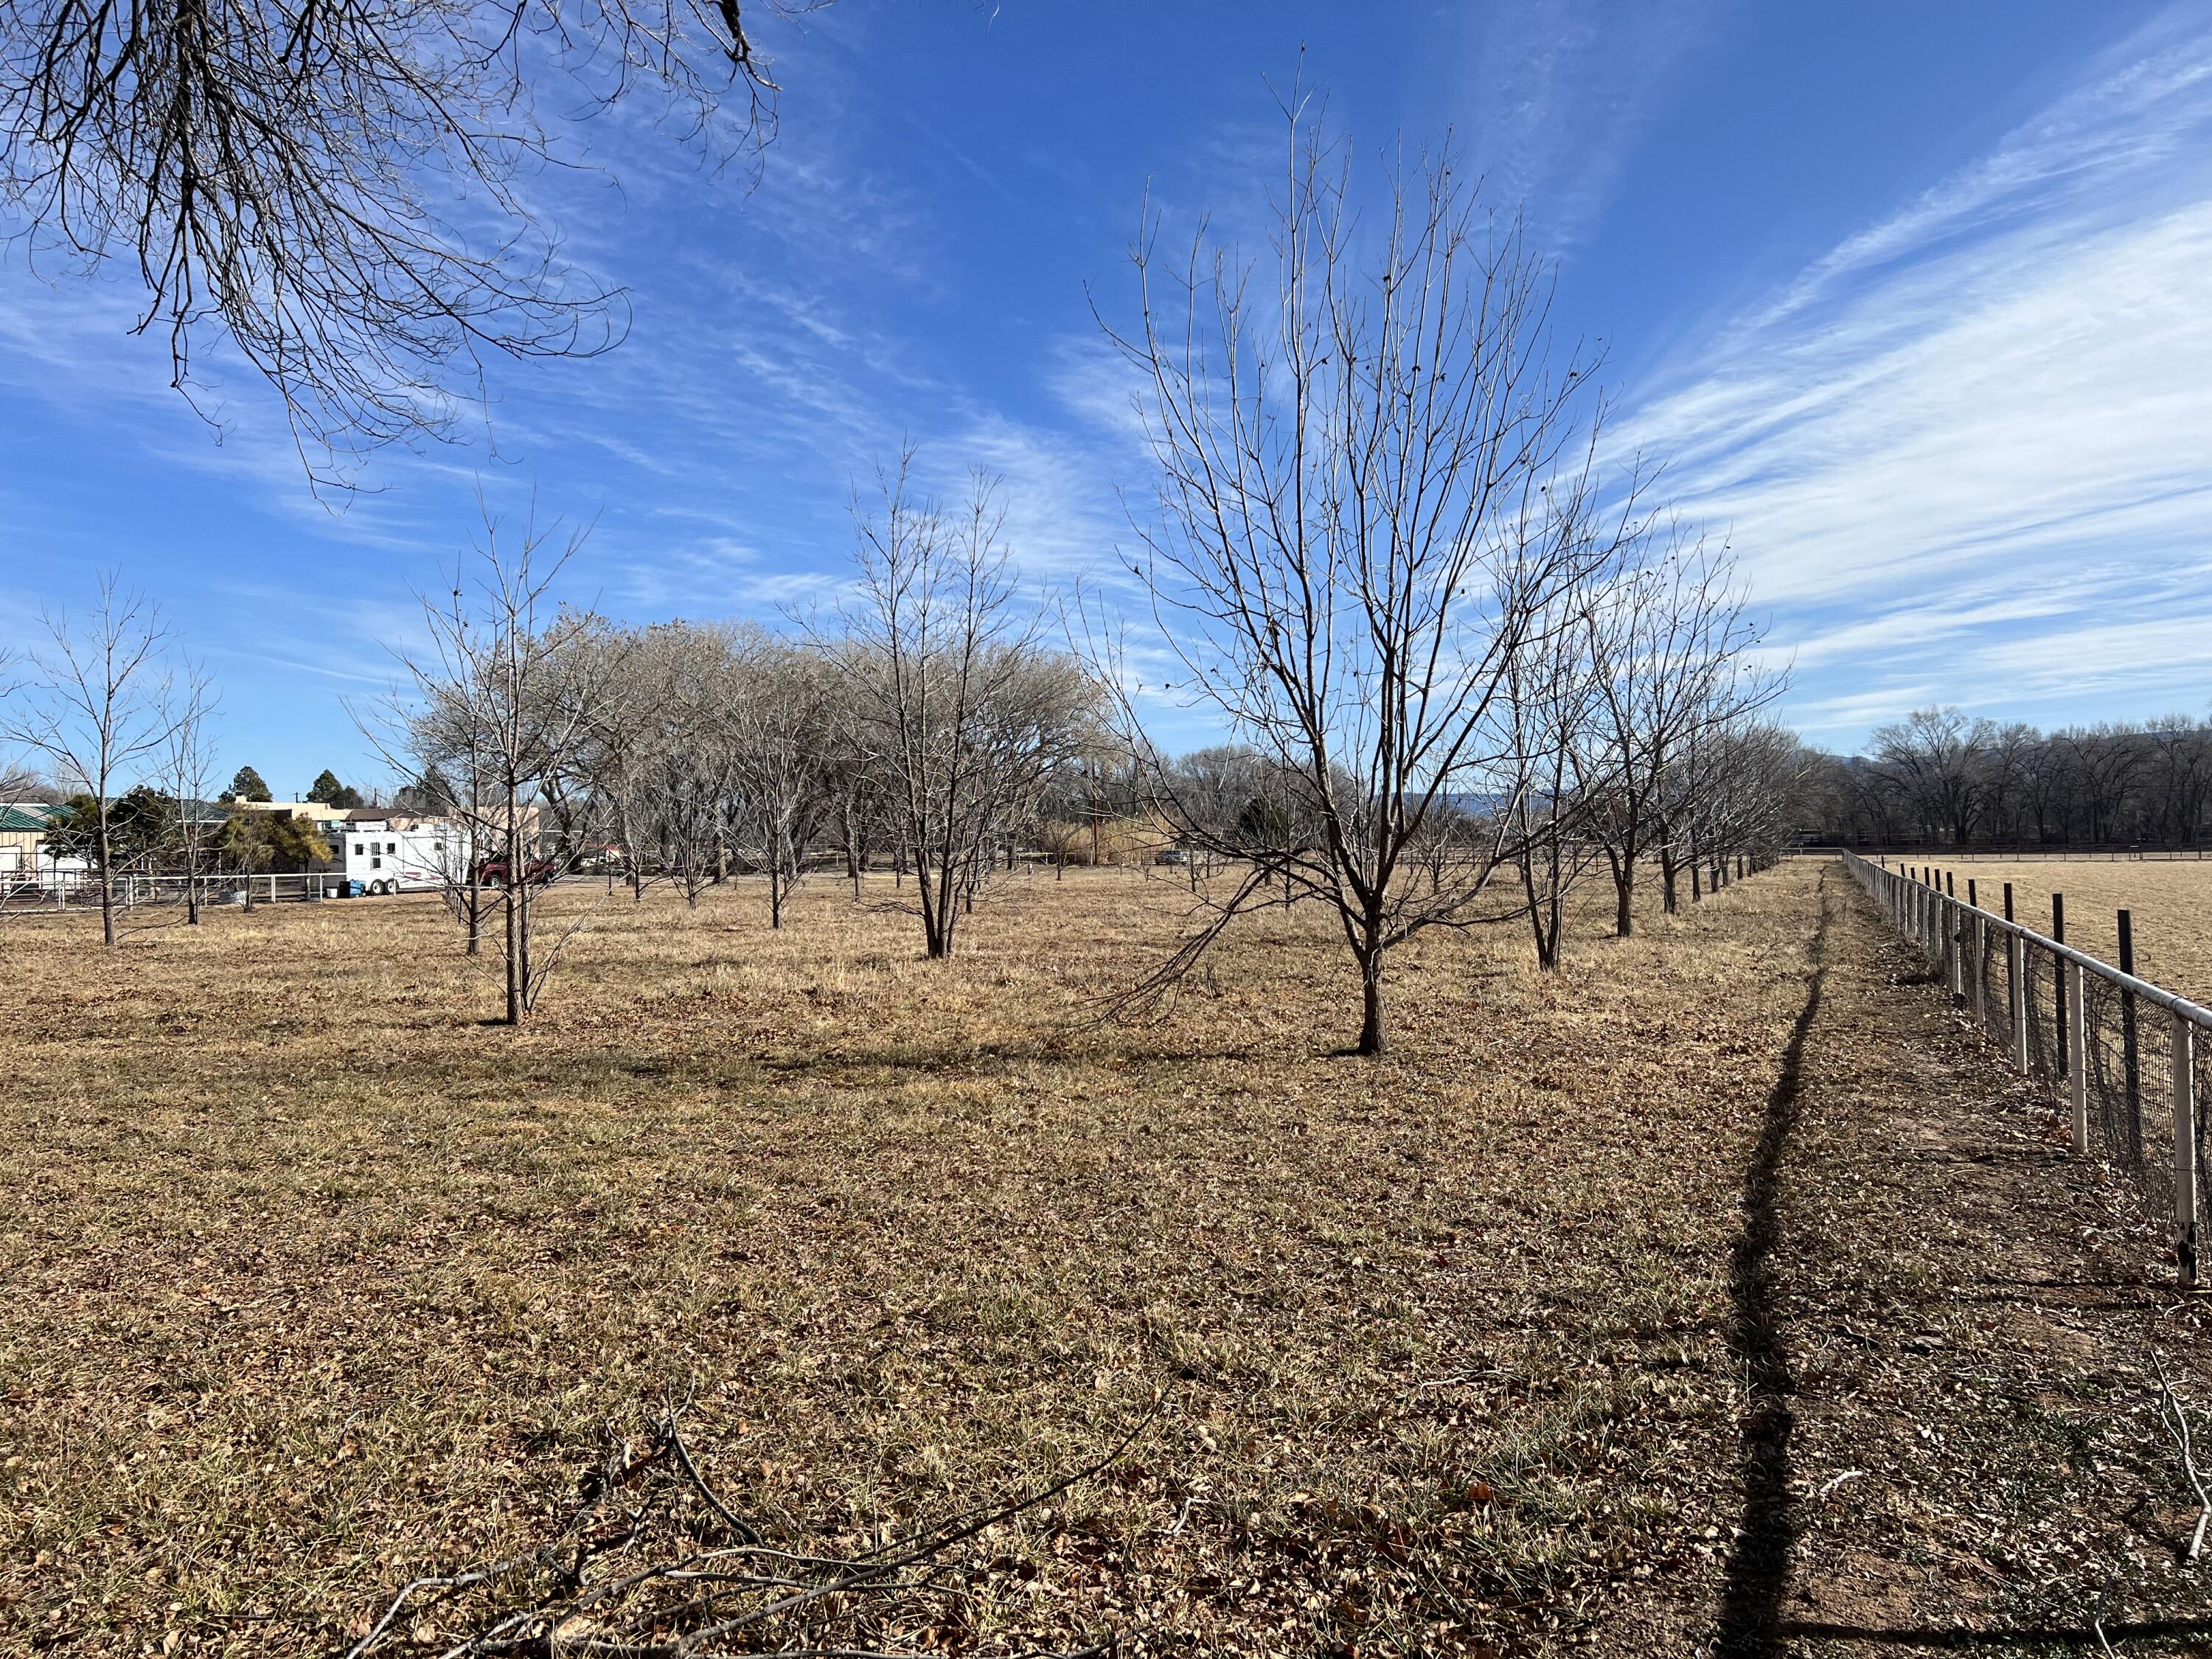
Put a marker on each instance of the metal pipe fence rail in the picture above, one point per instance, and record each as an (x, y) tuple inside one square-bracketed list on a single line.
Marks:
[(2132, 1061), (76, 891), (1950, 852)]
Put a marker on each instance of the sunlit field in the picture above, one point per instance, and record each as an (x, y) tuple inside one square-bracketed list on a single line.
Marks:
[(317, 1281), (2169, 903)]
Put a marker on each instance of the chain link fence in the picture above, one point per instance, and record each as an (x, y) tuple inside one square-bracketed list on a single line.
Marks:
[(2130, 1059)]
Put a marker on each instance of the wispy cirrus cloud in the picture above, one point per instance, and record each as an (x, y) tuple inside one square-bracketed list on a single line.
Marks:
[(1564, 90), (1967, 454)]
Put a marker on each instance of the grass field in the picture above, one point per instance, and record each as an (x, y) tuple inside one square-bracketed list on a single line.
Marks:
[(2170, 904), (317, 1282)]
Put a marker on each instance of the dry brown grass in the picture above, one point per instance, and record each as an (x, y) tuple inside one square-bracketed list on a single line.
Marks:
[(2170, 902), (314, 1280)]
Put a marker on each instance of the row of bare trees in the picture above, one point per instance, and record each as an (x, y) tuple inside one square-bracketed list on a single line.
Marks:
[(1456, 645), (928, 716), (1940, 776), (1391, 556)]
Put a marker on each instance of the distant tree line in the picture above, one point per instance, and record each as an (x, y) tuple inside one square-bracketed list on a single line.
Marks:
[(1938, 777)]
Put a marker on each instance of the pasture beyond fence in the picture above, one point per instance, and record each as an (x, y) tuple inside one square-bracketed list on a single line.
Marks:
[(2132, 1061)]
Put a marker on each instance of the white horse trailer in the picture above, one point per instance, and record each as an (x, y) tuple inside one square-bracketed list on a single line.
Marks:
[(417, 861)]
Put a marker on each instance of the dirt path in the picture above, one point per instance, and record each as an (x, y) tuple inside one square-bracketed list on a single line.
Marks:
[(1945, 1321)]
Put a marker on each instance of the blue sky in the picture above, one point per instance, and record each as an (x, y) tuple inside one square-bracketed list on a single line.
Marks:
[(1915, 301)]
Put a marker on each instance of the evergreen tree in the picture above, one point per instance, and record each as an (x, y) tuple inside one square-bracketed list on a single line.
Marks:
[(264, 840), (246, 785), (141, 826), (331, 793)]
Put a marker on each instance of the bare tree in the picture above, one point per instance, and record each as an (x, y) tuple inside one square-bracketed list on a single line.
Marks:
[(339, 188), (1551, 694), (783, 758), (1669, 642), (965, 711), (2148, 782), (187, 774), (1750, 778), (498, 703), (688, 767), (616, 750), (2007, 753), (2107, 761), (856, 788), (1353, 451), (1931, 758), (98, 708)]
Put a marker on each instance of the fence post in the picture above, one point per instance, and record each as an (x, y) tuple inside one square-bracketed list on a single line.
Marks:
[(1981, 970), (2063, 989), (1974, 903), (2016, 1004), (2130, 1046), (2184, 1148), (2013, 963), (2077, 1056)]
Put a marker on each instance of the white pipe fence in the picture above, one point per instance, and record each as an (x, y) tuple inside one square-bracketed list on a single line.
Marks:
[(78, 889), (2110, 1042)]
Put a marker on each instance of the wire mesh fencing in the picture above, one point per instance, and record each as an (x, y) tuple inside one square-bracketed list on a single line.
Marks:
[(2130, 1059)]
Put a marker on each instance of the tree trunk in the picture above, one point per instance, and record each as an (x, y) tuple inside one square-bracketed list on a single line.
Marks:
[(107, 882), (1370, 1003), (510, 843), (774, 891), (1547, 943), (522, 976)]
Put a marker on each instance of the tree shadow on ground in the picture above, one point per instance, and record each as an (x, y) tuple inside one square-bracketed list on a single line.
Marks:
[(1759, 1568)]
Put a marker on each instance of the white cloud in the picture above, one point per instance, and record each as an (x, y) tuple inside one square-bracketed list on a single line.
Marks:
[(1984, 421), (1566, 88)]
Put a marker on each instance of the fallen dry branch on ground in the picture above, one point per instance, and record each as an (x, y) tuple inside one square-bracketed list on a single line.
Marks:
[(655, 1565), (2175, 1415)]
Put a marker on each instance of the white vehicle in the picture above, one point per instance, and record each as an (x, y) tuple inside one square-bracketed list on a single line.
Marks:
[(392, 860)]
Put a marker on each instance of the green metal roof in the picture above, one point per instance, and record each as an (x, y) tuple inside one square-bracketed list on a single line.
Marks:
[(23, 817)]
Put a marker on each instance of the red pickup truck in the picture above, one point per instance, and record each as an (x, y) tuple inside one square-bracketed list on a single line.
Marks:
[(492, 872)]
